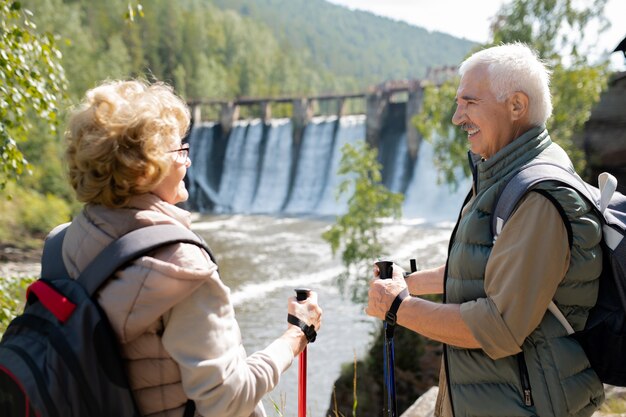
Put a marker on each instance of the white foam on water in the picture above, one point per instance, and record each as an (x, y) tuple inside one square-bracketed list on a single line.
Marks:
[(256, 290)]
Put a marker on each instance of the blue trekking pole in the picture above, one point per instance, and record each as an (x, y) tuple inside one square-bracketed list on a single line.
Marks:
[(389, 387)]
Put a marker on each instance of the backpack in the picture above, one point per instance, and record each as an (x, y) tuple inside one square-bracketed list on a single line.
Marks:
[(604, 335), (60, 357)]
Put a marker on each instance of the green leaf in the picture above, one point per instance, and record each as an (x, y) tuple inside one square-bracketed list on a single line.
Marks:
[(557, 30), (357, 233)]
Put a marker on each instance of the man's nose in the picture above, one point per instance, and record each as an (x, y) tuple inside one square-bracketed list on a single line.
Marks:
[(458, 116)]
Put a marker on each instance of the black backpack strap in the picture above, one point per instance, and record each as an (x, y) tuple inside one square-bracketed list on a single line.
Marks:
[(132, 246), (528, 177)]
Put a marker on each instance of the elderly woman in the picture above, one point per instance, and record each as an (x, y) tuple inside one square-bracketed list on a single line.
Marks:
[(170, 311)]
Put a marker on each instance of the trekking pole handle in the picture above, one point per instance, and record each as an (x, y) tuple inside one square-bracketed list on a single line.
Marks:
[(309, 330), (385, 268), (302, 293)]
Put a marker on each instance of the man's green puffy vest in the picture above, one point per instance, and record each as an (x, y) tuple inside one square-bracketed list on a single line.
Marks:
[(551, 376)]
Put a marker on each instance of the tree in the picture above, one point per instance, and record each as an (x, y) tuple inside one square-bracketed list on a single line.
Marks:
[(559, 32), (32, 81), (357, 232)]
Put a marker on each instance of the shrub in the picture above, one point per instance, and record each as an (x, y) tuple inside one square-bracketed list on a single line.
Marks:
[(26, 215), (12, 293)]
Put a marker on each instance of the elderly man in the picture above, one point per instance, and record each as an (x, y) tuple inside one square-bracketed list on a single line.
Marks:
[(504, 354)]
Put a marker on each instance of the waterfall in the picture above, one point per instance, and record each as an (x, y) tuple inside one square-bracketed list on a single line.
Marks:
[(275, 169), (350, 130), (259, 168), (397, 164), (203, 177), (246, 170), (312, 166), (425, 197), (237, 154)]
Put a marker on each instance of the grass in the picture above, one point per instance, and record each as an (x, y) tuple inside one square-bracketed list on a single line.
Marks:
[(355, 402)]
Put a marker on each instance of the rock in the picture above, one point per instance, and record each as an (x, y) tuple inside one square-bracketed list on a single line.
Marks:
[(424, 406)]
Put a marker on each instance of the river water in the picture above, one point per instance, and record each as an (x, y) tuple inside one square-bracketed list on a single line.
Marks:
[(262, 259)]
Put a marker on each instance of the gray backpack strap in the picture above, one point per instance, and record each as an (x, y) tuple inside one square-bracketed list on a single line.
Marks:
[(52, 265), (118, 253), (529, 176), (132, 246)]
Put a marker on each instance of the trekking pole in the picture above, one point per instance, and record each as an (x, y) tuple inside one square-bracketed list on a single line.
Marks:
[(390, 405), (389, 386), (301, 295)]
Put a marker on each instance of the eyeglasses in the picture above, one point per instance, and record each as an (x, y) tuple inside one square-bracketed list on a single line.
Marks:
[(182, 153)]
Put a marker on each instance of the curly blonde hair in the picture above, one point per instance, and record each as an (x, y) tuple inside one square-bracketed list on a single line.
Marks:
[(119, 137)]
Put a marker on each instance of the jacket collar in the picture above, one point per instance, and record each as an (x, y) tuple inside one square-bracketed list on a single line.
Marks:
[(508, 159), (152, 202)]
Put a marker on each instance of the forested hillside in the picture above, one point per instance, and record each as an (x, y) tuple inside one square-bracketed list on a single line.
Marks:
[(200, 49), (352, 42), (227, 48)]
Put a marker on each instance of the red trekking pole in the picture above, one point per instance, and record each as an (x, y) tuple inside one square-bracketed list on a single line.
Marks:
[(309, 331), (302, 385)]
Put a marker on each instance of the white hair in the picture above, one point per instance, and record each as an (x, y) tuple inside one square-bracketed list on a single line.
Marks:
[(515, 67)]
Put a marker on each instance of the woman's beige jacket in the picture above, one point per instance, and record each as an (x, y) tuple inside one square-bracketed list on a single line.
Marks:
[(174, 319)]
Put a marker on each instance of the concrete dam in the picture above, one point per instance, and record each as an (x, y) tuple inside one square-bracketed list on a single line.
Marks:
[(288, 166)]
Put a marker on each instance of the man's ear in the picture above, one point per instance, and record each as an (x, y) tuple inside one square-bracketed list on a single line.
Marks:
[(518, 104)]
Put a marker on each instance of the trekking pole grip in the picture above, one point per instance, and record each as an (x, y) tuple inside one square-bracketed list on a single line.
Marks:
[(309, 330), (302, 293), (385, 268)]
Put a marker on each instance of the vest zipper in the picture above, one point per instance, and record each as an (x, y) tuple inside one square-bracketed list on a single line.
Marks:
[(445, 278), (525, 380)]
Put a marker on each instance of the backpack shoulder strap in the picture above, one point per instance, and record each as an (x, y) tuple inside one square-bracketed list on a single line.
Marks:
[(52, 265), (132, 246), (529, 176), (118, 253), (533, 174)]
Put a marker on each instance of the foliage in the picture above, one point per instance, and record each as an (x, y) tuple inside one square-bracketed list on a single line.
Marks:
[(418, 360), (12, 293), (577, 91), (204, 52), (31, 83), (28, 214), (558, 31), (434, 123), (133, 9), (358, 232), (337, 39)]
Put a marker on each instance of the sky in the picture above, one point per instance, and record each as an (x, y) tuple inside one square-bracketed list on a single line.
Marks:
[(471, 19)]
